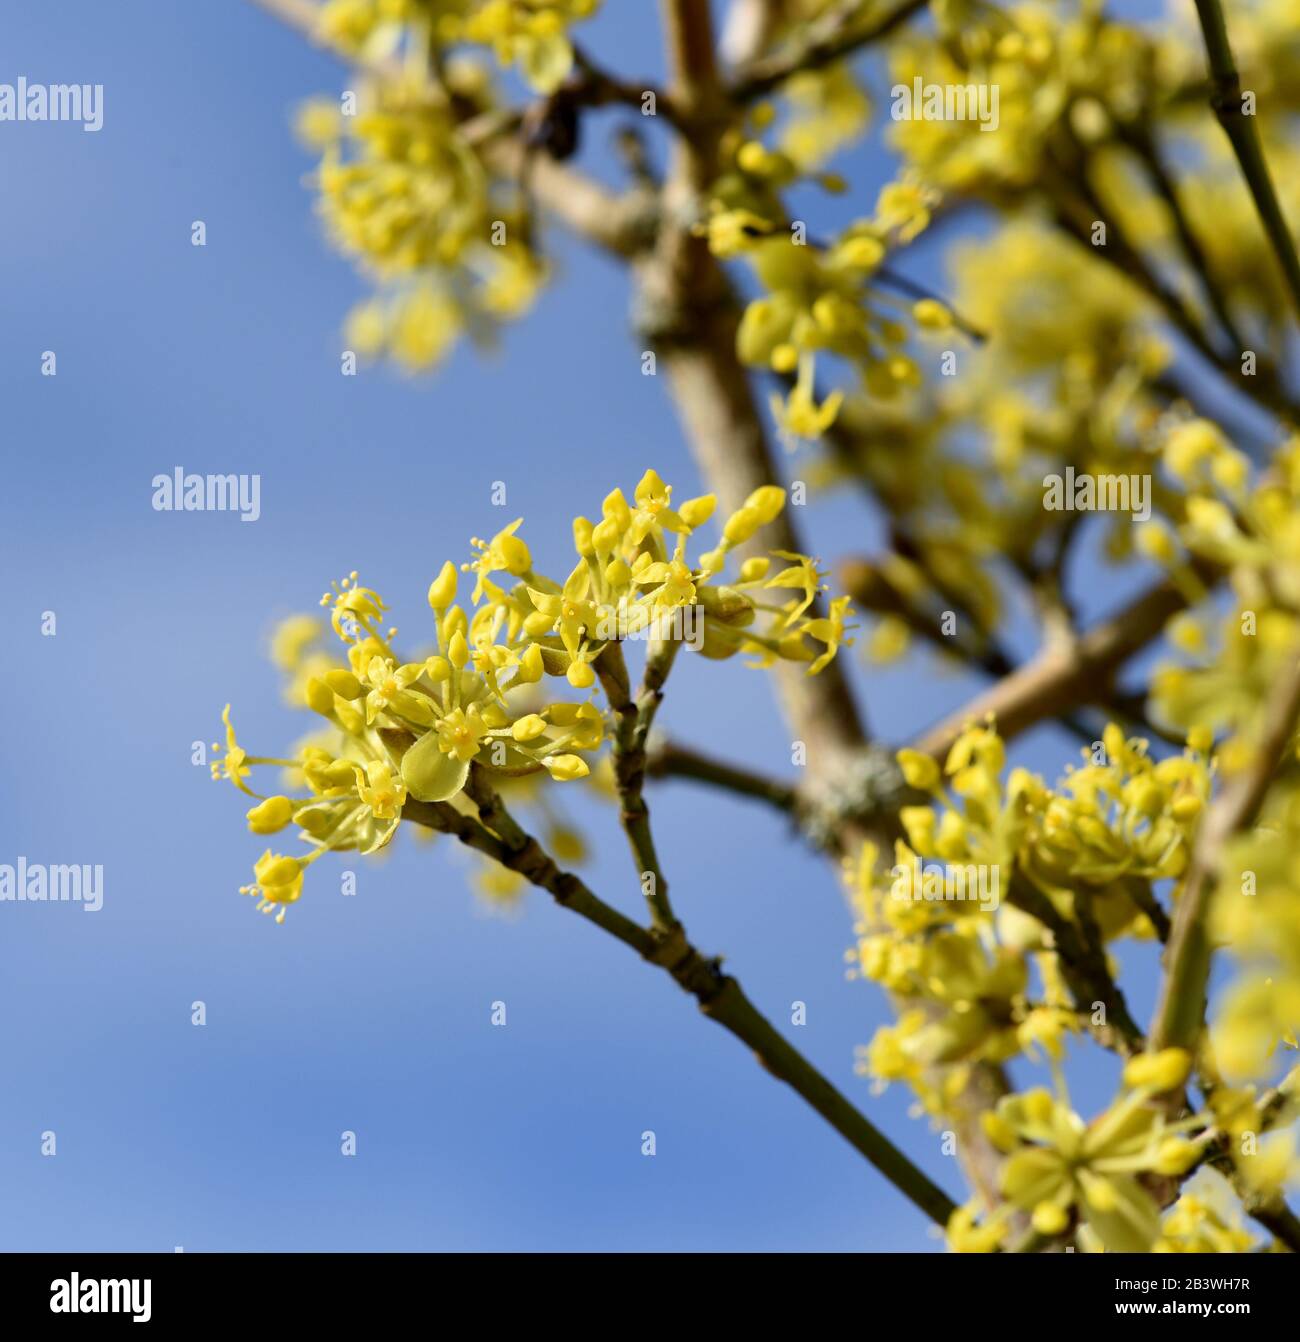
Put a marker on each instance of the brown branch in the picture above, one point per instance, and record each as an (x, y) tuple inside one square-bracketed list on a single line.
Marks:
[(1062, 677), (594, 86)]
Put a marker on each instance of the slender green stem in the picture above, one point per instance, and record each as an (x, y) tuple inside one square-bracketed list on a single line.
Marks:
[(499, 836), (635, 717), (1226, 100), (1143, 144)]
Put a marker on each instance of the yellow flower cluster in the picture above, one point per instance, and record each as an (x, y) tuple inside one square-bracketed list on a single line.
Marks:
[(819, 300), (1204, 1219), (1252, 533), (529, 34), (1087, 1177), (402, 191), (943, 929), (1052, 65), (1256, 914), (413, 729)]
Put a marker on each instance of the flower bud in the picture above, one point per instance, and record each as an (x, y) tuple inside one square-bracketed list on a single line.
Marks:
[(320, 698), (351, 718), (932, 314), (530, 666), (1201, 739), (605, 536), (514, 554), (695, 512), (580, 675), (528, 728), (1155, 541), (1146, 797), (442, 590), (343, 683), (566, 844), (453, 621), (921, 771), (1050, 1218), (1175, 1156), (566, 768), (741, 525), (615, 509), (1160, 1072), (1187, 808), (726, 605), (998, 1131), (767, 501), (270, 816)]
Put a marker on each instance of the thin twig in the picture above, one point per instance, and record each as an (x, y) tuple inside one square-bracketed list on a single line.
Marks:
[(1180, 1009), (635, 717), (719, 995), (1226, 100), (832, 39), (671, 759)]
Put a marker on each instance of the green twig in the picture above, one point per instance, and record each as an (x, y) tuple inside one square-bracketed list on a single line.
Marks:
[(635, 717), (498, 836), (1226, 100)]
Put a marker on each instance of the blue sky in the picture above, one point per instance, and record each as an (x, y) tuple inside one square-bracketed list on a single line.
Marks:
[(368, 1014)]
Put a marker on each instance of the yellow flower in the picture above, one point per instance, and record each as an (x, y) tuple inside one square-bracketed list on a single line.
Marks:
[(277, 881), (1069, 1168), (380, 791), (234, 763), (504, 552), (798, 416), (460, 732), (829, 629), (423, 328), (966, 1235), (388, 689)]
